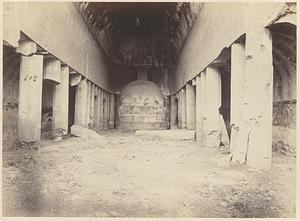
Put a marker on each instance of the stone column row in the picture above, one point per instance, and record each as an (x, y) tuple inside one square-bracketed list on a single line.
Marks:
[(183, 108), (94, 107), (208, 101), (33, 69), (251, 102), (198, 108)]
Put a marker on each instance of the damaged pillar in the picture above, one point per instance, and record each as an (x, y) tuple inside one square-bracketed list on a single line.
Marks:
[(30, 98), (213, 103), (190, 107), (257, 107), (112, 112), (199, 109), (61, 101), (238, 61), (80, 103)]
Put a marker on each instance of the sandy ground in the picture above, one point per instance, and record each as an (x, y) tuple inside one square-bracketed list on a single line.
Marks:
[(123, 175)]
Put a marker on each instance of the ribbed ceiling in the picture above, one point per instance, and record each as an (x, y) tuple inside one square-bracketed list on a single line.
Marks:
[(133, 33), (284, 49)]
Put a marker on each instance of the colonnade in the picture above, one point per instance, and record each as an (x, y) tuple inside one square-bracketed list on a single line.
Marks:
[(251, 102), (195, 106), (94, 106)]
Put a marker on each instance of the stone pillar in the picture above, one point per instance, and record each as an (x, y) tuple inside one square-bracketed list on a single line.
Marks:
[(190, 107), (203, 104), (257, 106), (112, 112), (96, 114), (88, 104), (199, 107), (183, 108), (101, 109), (167, 112), (178, 95), (52, 70), (107, 110), (30, 98), (80, 103), (173, 112), (238, 61), (92, 106), (104, 110), (213, 103), (74, 78), (61, 102)]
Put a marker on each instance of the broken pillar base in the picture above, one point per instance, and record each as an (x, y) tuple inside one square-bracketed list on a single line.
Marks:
[(178, 134), (85, 133), (239, 158), (213, 138)]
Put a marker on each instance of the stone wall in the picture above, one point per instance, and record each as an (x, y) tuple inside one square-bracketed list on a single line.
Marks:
[(11, 70), (59, 29), (284, 122), (284, 114)]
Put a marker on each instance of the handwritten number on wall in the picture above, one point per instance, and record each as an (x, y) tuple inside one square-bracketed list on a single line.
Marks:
[(31, 77)]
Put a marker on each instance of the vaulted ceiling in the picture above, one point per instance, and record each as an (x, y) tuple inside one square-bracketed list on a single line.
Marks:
[(134, 33)]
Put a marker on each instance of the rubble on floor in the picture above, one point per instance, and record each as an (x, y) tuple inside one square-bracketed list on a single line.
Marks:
[(178, 134), (85, 133)]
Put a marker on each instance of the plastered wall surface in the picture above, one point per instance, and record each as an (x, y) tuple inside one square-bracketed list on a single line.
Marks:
[(58, 28), (218, 25)]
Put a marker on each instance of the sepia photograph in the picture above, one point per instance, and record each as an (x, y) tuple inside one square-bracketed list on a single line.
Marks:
[(149, 109)]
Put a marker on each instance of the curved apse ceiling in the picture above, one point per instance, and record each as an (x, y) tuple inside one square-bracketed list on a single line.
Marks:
[(133, 33)]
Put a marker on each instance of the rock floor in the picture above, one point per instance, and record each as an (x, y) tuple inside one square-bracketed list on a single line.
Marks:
[(124, 175)]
